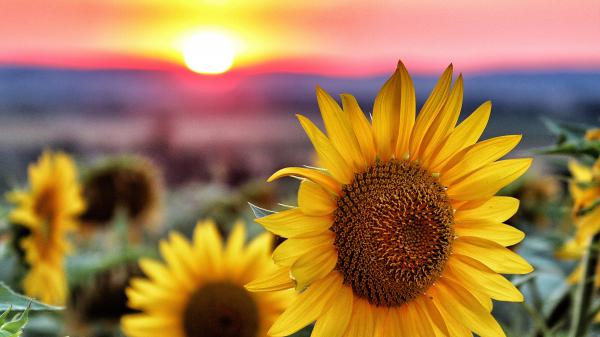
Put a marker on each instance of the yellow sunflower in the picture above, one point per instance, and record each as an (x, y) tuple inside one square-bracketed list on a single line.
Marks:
[(199, 290), (585, 191), (48, 211), (400, 234)]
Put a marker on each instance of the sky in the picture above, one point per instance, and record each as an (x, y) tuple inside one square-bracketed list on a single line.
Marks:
[(326, 37)]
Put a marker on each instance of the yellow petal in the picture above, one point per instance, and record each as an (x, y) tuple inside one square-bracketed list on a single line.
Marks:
[(580, 172), (465, 134), (465, 308), (235, 242), (314, 265), (293, 222), (362, 322), (307, 307), (498, 232), (291, 249), (334, 321), (430, 109), (178, 268), (313, 175), (478, 156), (329, 156), (588, 225), (491, 254), (314, 200), (408, 108), (339, 130), (489, 179), (497, 208), (474, 274), (443, 124), (280, 279), (386, 111), (428, 309), (416, 321), (361, 127), (208, 245)]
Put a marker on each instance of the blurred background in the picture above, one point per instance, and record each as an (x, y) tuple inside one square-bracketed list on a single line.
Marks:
[(203, 93), (107, 76)]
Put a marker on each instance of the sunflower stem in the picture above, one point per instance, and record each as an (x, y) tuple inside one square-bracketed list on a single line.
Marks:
[(585, 290)]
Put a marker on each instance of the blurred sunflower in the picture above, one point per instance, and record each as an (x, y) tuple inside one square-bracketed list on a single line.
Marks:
[(48, 211), (400, 234), (585, 191), (132, 184), (199, 291)]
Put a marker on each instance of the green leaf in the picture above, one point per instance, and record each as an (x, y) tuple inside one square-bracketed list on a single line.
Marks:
[(11, 300), (260, 212), (571, 140), (14, 327)]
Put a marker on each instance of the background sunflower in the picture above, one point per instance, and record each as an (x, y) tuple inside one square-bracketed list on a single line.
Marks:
[(48, 210), (199, 289)]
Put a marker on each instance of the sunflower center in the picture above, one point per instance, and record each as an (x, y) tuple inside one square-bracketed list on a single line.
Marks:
[(393, 232), (221, 310), (46, 208)]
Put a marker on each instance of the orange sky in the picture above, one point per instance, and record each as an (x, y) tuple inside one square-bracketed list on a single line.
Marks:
[(342, 37)]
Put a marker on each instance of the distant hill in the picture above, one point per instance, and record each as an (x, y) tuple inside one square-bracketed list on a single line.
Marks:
[(46, 92)]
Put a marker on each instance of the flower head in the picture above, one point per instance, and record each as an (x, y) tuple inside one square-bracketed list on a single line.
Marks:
[(48, 210), (199, 289), (400, 234)]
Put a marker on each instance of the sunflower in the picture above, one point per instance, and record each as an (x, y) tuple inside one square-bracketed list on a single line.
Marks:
[(199, 290), (132, 184), (400, 234), (47, 211), (585, 191)]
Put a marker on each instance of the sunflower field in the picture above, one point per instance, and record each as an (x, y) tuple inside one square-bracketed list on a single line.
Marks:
[(397, 218), (284, 168)]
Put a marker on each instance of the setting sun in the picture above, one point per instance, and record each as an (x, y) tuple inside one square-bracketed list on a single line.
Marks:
[(208, 53)]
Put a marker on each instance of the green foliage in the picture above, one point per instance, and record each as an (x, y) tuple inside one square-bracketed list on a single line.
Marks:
[(571, 140), (10, 300), (14, 326)]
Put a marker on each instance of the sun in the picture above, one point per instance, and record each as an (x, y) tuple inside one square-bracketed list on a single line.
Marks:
[(208, 52)]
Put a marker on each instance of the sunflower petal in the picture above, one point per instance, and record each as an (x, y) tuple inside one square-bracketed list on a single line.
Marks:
[(465, 308), (474, 274), (362, 322), (498, 232), (280, 279), (443, 124), (313, 175), (478, 156), (430, 109), (465, 134), (339, 130), (491, 254), (386, 116), (334, 321), (293, 222), (497, 208), (329, 156), (361, 127), (307, 307), (314, 265), (291, 249), (489, 179), (408, 102), (314, 200)]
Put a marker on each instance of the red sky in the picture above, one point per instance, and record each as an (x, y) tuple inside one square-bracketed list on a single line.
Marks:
[(342, 37)]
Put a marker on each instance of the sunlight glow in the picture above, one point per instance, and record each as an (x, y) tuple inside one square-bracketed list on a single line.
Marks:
[(208, 52)]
